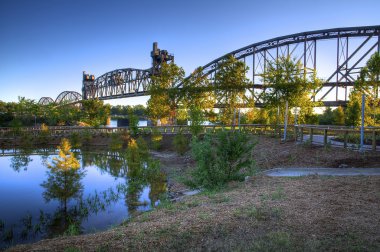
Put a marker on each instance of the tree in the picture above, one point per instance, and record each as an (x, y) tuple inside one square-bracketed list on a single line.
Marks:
[(230, 86), (198, 98), (163, 97), (286, 81), (368, 83), (95, 112), (339, 117), (64, 177), (327, 117)]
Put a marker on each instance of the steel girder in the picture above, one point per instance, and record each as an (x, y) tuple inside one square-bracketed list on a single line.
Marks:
[(119, 83), (303, 47)]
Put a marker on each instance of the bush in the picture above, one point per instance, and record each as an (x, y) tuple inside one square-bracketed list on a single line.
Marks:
[(156, 139), (181, 143), (221, 157)]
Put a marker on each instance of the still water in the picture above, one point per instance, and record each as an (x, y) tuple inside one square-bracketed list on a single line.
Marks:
[(38, 202)]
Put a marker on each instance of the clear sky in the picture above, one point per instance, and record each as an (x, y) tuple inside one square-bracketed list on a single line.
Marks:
[(46, 44)]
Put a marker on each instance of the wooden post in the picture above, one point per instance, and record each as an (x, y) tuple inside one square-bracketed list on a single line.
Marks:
[(311, 135), (345, 139), (325, 137), (374, 140)]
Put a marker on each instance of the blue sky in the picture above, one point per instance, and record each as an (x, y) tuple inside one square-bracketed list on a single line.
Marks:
[(46, 44)]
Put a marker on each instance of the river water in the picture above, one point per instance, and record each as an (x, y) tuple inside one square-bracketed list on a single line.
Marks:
[(38, 202)]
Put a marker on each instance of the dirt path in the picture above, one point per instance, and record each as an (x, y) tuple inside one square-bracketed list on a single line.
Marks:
[(296, 172)]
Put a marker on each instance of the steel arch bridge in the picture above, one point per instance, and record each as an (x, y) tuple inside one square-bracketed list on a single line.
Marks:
[(339, 54), (66, 97), (350, 46)]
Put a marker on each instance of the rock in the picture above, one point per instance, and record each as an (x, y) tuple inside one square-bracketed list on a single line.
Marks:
[(343, 166)]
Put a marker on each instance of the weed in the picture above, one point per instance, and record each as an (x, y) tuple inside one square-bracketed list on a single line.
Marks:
[(278, 194), (258, 213), (193, 203), (72, 230), (274, 241)]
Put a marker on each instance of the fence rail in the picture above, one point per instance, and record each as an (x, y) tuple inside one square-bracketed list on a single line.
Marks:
[(346, 137)]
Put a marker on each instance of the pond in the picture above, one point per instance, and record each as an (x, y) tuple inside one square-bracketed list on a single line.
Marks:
[(39, 199)]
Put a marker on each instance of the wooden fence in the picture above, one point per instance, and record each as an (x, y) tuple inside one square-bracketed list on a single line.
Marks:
[(346, 137)]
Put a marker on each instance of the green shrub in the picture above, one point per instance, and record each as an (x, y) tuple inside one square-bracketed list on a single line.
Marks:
[(181, 143), (156, 139), (221, 157)]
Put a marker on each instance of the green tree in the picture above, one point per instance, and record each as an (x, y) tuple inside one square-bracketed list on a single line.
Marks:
[(64, 177), (327, 117), (230, 86), (95, 112), (221, 157), (339, 116), (368, 83), (163, 97), (286, 81), (197, 94)]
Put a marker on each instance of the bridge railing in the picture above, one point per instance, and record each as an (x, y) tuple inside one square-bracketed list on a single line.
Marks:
[(341, 136)]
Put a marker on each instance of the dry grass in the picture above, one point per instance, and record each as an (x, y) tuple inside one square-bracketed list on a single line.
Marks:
[(263, 214), (303, 214)]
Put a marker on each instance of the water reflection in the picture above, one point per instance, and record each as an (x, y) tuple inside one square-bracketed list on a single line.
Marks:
[(76, 198)]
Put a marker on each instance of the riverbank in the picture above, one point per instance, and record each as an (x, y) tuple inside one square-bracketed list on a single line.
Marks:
[(304, 214), (289, 214)]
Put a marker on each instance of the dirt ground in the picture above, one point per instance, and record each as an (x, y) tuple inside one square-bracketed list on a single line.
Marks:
[(313, 213), (263, 214)]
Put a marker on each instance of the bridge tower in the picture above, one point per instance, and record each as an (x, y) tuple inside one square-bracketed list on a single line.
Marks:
[(159, 57), (88, 85)]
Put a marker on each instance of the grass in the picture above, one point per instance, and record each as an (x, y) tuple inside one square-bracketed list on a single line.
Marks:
[(260, 213), (274, 241), (278, 194)]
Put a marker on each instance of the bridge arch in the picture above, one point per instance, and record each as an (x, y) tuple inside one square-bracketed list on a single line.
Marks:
[(68, 97), (349, 58), (45, 101)]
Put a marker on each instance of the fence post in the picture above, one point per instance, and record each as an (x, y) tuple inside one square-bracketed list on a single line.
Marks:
[(345, 139), (374, 140), (311, 135), (324, 137)]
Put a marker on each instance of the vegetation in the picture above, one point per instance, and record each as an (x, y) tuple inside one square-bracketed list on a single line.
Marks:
[(368, 83), (221, 157), (181, 143), (289, 83), (230, 87), (163, 100), (27, 112)]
